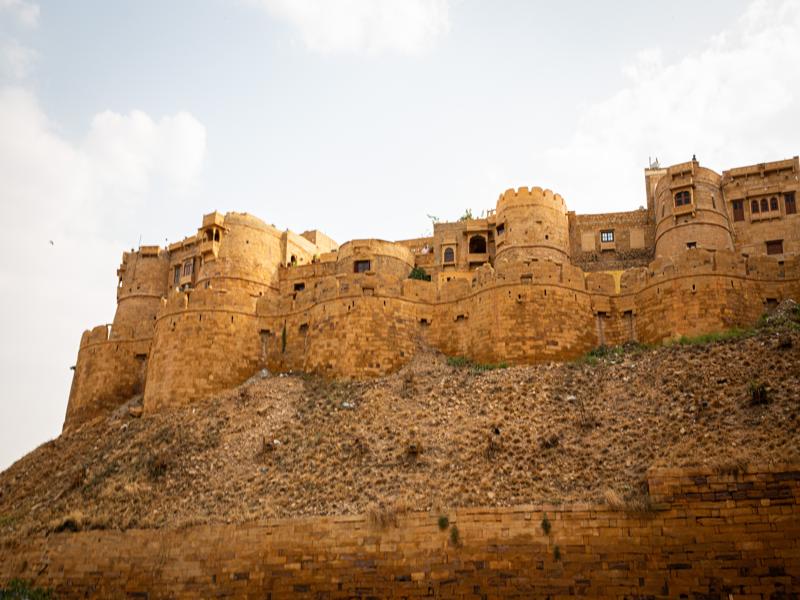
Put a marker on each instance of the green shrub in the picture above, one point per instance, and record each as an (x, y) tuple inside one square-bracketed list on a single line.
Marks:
[(716, 336), (419, 273), (455, 536), (444, 522), (17, 589), (546, 524), (461, 362)]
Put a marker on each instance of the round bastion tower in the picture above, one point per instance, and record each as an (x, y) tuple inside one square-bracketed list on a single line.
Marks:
[(690, 211), (142, 284), (238, 251), (531, 224), (207, 338)]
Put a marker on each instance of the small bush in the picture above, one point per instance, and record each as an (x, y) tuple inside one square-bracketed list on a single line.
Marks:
[(72, 522), (458, 361), (549, 442), (157, 466), (759, 393), (413, 451), (634, 500), (546, 524), (17, 589), (462, 362), (455, 536), (443, 522), (610, 352), (6, 520), (717, 336), (419, 273), (730, 465)]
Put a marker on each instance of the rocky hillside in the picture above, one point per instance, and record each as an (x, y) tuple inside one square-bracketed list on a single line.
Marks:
[(436, 435)]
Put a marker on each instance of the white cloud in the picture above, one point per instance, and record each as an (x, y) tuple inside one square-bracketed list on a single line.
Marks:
[(127, 151), (371, 26), (79, 196), (27, 13), (735, 102), (16, 60)]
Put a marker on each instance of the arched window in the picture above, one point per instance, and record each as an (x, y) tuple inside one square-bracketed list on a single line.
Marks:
[(477, 244), (773, 203), (764, 205), (683, 198), (449, 255), (754, 206)]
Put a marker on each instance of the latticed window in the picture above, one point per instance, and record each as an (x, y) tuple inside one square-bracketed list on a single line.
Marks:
[(775, 247), (607, 236), (449, 255), (764, 205), (738, 210), (683, 198), (187, 268), (788, 199), (773, 203), (754, 206)]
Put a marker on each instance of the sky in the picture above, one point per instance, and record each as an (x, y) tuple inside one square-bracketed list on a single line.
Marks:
[(124, 122)]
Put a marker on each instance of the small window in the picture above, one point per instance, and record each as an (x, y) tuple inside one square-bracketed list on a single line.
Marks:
[(501, 229), (788, 200), (754, 206), (449, 255), (176, 278), (691, 244), (187, 268), (773, 203), (775, 247), (361, 266), (738, 210), (299, 287), (683, 198), (607, 236), (216, 235), (764, 205)]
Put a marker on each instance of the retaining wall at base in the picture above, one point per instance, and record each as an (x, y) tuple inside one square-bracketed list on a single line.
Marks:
[(709, 536)]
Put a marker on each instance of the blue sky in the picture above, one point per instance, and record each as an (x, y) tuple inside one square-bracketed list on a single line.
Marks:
[(122, 121)]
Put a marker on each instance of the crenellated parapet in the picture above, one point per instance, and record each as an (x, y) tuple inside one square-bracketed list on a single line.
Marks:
[(531, 223)]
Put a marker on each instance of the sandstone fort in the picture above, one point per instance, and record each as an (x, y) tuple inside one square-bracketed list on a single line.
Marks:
[(531, 281), (393, 457)]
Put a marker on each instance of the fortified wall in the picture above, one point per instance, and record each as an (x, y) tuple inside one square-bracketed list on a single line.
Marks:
[(705, 535), (529, 282)]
